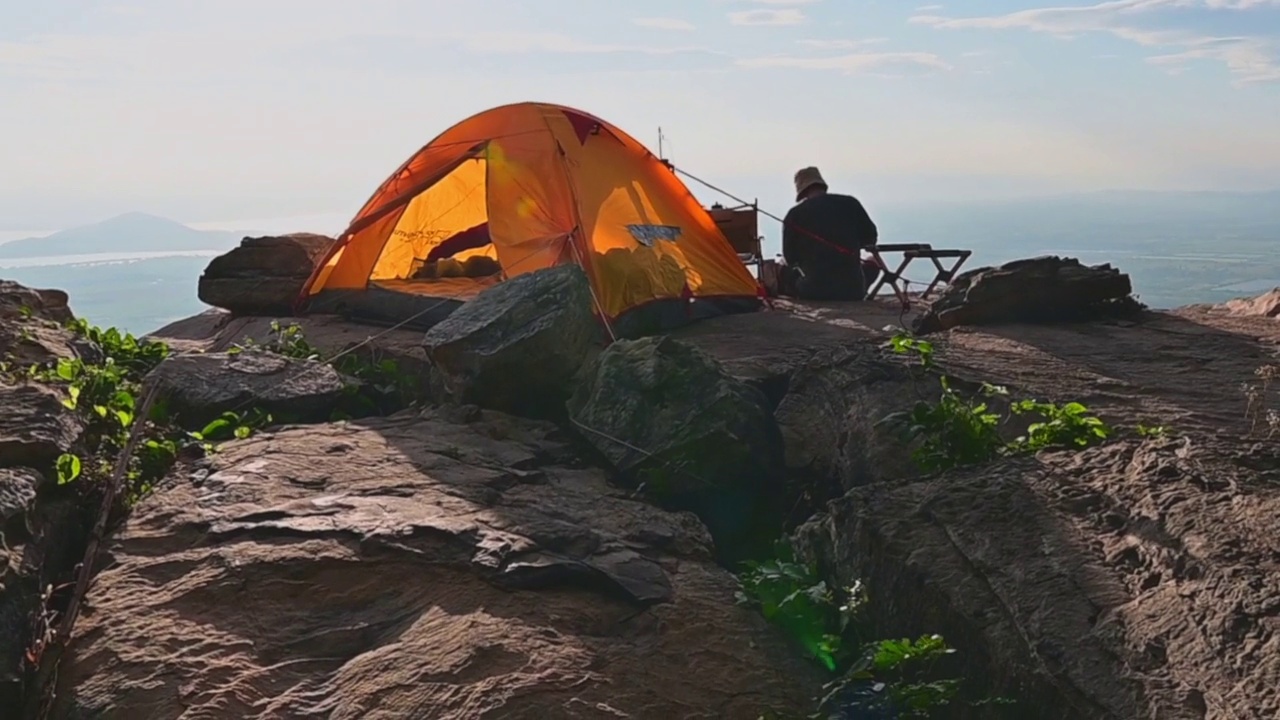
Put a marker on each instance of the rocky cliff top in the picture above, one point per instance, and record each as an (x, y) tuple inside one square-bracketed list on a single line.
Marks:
[(1086, 510)]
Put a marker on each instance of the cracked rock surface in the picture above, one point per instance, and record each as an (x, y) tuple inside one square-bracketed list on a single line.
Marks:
[(444, 565)]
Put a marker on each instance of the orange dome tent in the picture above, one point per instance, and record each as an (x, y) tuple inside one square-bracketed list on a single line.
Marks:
[(533, 185)]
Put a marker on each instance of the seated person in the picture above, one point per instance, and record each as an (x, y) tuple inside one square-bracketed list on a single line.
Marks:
[(822, 239)]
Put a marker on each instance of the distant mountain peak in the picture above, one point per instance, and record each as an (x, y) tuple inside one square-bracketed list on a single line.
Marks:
[(138, 217), (127, 232)]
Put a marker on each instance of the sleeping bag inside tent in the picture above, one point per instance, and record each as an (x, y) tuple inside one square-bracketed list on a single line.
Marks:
[(523, 187)]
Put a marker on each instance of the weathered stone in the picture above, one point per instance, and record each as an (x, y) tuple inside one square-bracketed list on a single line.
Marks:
[(35, 427), (1038, 290), (264, 275), (413, 567), (519, 345), (1060, 576), (667, 415), (1265, 305), (829, 420), (17, 491), (41, 535), (200, 387), (26, 343), (19, 301)]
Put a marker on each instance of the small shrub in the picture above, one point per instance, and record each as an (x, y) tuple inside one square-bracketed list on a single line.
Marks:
[(956, 430), (107, 393), (870, 674), (789, 594), (1068, 425), (952, 431)]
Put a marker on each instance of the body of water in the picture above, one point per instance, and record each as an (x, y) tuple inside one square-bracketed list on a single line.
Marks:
[(136, 292), (143, 291), (99, 258)]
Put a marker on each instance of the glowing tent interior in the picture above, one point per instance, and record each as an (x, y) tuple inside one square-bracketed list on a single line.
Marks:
[(528, 186)]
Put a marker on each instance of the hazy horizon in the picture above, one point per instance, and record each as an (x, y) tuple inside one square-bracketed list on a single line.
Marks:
[(332, 223), (218, 114), (285, 116)]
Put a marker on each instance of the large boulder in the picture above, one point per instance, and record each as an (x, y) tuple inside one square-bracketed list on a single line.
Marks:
[(1132, 580), (264, 275), (1038, 290), (417, 567), (19, 301), (667, 415), (519, 345), (199, 387)]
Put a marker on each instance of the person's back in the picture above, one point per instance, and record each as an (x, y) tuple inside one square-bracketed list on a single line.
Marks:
[(822, 236)]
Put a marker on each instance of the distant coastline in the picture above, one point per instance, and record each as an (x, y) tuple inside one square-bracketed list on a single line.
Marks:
[(100, 258)]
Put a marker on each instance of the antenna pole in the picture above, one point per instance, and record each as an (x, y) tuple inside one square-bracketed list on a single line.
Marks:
[(660, 155)]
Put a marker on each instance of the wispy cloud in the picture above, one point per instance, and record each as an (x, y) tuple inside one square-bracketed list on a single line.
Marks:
[(789, 16), (854, 63), (531, 42), (84, 57), (842, 44), (1250, 59), (663, 23)]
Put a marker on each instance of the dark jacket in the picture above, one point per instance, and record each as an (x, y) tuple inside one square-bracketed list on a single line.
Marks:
[(838, 220)]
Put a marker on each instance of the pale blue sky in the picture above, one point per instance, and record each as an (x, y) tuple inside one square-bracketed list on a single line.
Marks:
[(225, 110)]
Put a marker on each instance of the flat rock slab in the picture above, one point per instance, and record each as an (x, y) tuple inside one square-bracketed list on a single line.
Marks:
[(200, 387), (218, 331), (1132, 581), (417, 567)]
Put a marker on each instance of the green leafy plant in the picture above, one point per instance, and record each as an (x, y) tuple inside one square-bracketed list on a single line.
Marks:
[(831, 625), (1151, 431), (232, 425), (898, 677), (952, 431), (68, 468), (103, 388), (791, 595), (1068, 425), (957, 430)]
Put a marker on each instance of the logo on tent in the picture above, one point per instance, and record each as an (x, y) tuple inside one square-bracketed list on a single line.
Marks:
[(647, 235)]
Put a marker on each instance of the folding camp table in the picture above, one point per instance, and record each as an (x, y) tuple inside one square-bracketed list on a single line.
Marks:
[(911, 251)]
